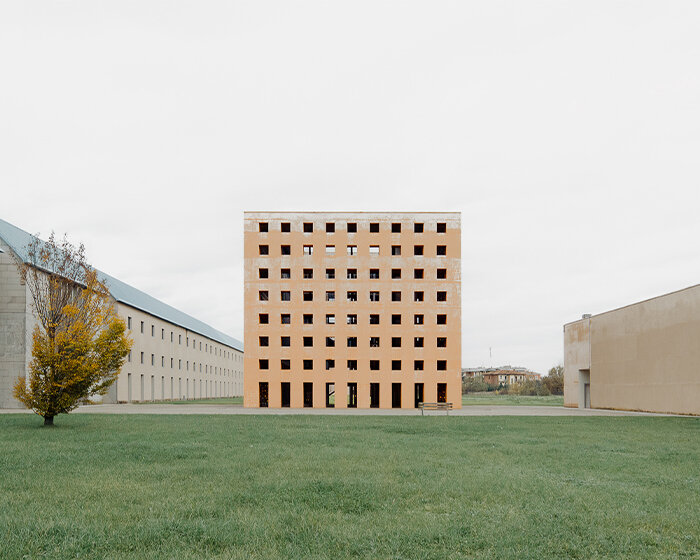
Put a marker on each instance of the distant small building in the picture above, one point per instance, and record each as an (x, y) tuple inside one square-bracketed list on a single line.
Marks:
[(506, 375)]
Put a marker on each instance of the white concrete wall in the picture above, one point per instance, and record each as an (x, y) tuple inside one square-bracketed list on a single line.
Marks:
[(13, 328), (177, 363)]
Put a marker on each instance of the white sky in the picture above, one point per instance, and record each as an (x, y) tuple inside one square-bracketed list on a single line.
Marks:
[(567, 134)]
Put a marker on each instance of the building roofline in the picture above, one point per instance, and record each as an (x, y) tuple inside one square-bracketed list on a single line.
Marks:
[(345, 213), (17, 239), (633, 304)]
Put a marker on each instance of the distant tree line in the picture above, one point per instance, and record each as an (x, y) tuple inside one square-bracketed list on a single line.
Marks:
[(552, 384)]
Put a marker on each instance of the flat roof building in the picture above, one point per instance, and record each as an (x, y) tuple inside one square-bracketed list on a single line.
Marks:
[(174, 355), (645, 356), (352, 310)]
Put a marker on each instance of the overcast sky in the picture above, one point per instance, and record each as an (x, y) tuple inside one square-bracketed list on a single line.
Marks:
[(567, 134)]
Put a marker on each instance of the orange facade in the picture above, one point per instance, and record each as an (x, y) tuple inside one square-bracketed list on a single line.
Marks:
[(352, 309)]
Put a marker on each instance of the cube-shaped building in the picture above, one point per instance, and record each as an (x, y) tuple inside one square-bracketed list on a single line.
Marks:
[(352, 310)]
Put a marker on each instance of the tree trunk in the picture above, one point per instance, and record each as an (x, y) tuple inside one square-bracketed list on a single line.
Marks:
[(48, 420)]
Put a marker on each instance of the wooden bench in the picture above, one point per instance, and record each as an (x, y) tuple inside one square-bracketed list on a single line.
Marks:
[(446, 406)]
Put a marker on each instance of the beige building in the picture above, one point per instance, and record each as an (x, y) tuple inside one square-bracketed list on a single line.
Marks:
[(174, 355), (645, 356), (352, 309)]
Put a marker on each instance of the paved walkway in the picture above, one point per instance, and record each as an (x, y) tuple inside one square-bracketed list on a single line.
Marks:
[(476, 410)]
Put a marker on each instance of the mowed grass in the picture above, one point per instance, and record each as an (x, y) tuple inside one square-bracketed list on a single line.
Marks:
[(491, 398), (140, 486)]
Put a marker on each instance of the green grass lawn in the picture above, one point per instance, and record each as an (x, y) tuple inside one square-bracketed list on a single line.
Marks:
[(492, 398), (140, 486), (221, 400)]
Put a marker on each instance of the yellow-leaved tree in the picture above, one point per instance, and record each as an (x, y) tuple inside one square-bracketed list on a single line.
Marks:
[(79, 341)]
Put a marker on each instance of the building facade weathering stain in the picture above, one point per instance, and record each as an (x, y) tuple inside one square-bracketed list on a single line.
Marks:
[(645, 356), (352, 310), (174, 355)]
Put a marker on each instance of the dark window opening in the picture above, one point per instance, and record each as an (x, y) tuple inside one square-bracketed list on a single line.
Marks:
[(352, 365), (352, 228), (308, 273), (396, 319), (352, 273), (285, 364), (396, 395), (285, 274), (374, 395), (374, 273), (441, 273), (396, 365), (374, 342), (418, 250), (286, 249), (418, 273), (285, 227), (418, 342), (262, 273), (264, 341), (442, 365), (442, 319), (308, 296), (285, 341), (395, 296), (308, 341), (262, 227), (418, 319), (441, 250), (374, 228), (330, 273), (330, 227), (308, 395), (264, 364), (442, 392), (374, 296), (418, 365), (286, 395), (374, 319), (264, 249), (308, 364), (417, 228), (352, 342), (285, 318), (308, 319), (396, 342), (442, 296), (395, 228), (263, 391), (374, 365), (263, 318), (352, 395), (308, 227), (417, 395), (442, 228), (395, 273)]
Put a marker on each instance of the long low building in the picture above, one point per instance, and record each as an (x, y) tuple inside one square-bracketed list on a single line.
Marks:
[(174, 355), (645, 356)]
